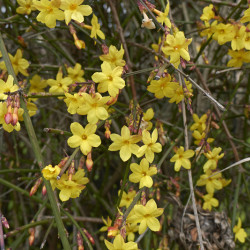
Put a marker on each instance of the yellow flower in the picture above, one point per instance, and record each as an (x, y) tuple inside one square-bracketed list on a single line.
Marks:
[(199, 123), (142, 173), (208, 13), (19, 64), (50, 173), (213, 157), (49, 12), (114, 57), (200, 136), (7, 86), (238, 58), (177, 94), (94, 107), (76, 73), (212, 183), (9, 127), (107, 223), (37, 85), (163, 17), (177, 47), (60, 85), (109, 79), (26, 6), (84, 137), (147, 116), (161, 87), (127, 198), (119, 244), (125, 143), (246, 17), (131, 229), (71, 188), (181, 158), (240, 233), (209, 202), (146, 22), (146, 216), (238, 41), (224, 33), (150, 145), (207, 29), (96, 31), (74, 10), (73, 102)]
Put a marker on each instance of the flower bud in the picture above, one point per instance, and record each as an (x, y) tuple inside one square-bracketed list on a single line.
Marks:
[(81, 163), (5, 222), (91, 239), (44, 190), (8, 118), (89, 162), (36, 186), (105, 49), (32, 236), (14, 117), (79, 241), (63, 162)]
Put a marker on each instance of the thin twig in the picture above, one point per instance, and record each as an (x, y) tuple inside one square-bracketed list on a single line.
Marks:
[(189, 170)]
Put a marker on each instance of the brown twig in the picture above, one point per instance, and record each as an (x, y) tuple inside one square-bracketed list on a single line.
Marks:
[(189, 171), (120, 31)]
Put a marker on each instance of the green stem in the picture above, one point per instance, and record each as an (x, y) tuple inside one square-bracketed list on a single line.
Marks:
[(37, 150)]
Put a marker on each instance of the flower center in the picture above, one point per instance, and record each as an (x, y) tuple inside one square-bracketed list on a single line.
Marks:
[(84, 137), (72, 6)]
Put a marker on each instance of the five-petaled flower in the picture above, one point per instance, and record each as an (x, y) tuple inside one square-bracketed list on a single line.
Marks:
[(125, 142), (84, 137), (240, 233), (181, 158), (119, 244)]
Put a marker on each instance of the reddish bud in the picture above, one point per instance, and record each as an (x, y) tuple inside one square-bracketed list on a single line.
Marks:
[(63, 162), (81, 163), (32, 236), (91, 239), (79, 241), (14, 117), (123, 231), (107, 133), (89, 162), (5, 222), (8, 118), (21, 41), (112, 100), (105, 49), (44, 190), (36, 186), (143, 198)]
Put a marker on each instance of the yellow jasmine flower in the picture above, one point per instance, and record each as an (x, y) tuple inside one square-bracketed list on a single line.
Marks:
[(177, 93), (73, 102), (146, 22), (49, 12), (181, 158), (224, 33), (32, 109), (142, 173), (163, 17), (209, 202), (161, 87), (208, 13), (240, 233), (146, 216), (50, 173), (84, 137), (26, 6), (207, 29), (201, 136), (60, 85), (238, 41), (37, 85), (71, 188), (212, 183), (19, 64), (114, 57), (177, 47), (127, 198), (199, 123), (96, 31), (109, 79), (94, 107), (9, 127), (213, 157), (119, 244), (125, 142), (74, 10), (150, 145), (107, 223), (246, 17), (238, 58), (76, 73), (131, 229), (7, 86), (147, 116)]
